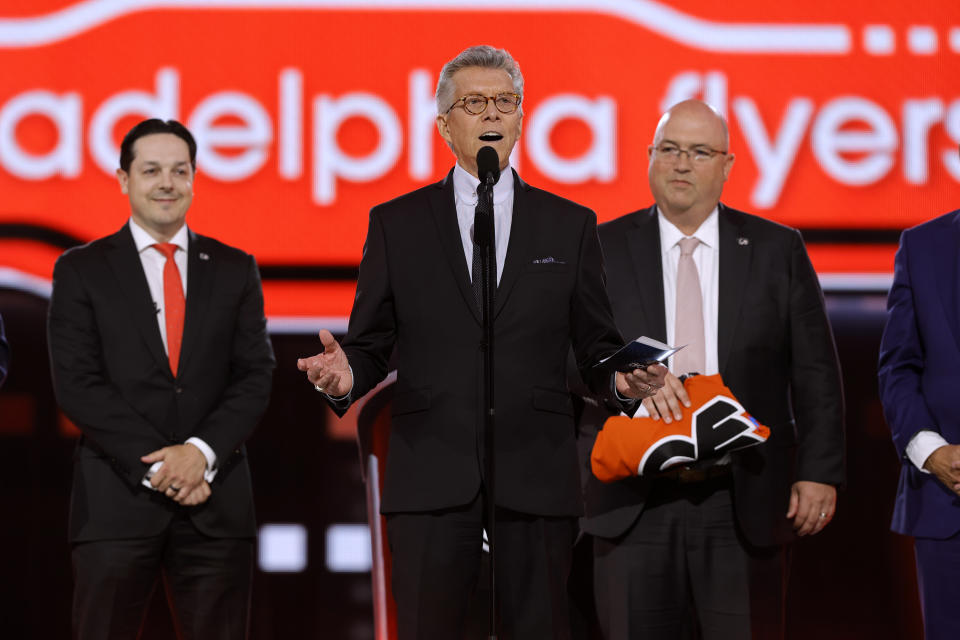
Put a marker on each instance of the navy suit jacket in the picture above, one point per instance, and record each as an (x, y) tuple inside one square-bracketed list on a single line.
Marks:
[(920, 368)]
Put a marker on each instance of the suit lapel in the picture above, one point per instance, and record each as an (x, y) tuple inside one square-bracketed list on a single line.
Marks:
[(518, 247), (444, 208), (736, 250), (201, 267), (947, 266), (125, 263), (643, 242)]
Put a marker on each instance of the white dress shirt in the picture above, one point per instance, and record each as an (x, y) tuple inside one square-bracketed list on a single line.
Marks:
[(153, 263), (465, 193), (921, 445), (706, 257)]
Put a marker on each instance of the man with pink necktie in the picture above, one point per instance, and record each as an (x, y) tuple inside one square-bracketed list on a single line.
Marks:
[(160, 355), (698, 551)]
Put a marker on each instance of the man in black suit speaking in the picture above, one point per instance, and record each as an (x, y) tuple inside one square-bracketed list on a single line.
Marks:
[(414, 292), (160, 356), (704, 545)]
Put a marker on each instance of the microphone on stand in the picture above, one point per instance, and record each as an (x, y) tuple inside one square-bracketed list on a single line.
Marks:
[(488, 170), (488, 165)]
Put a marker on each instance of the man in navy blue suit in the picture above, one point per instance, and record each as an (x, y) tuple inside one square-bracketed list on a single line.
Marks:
[(920, 390)]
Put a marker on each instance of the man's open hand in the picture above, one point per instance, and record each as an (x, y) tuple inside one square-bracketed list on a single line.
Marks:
[(328, 370)]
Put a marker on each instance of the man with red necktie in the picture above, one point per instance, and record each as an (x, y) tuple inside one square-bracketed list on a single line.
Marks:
[(160, 355)]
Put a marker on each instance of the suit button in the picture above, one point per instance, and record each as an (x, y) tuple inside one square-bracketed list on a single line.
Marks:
[(178, 389)]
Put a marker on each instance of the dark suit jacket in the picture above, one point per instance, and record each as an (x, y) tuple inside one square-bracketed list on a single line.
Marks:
[(414, 292), (113, 380), (776, 353), (920, 368)]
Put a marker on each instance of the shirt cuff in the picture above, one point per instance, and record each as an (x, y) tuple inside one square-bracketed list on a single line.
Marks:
[(921, 445), (211, 471), (616, 392), (628, 406), (149, 474)]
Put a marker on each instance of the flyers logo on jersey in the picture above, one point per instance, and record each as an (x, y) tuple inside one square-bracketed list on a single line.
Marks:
[(715, 424)]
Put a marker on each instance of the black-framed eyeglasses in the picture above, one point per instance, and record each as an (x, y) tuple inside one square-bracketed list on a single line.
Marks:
[(475, 103), (698, 153)]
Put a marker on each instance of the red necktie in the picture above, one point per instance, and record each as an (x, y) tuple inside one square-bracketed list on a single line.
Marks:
[(173, 303)]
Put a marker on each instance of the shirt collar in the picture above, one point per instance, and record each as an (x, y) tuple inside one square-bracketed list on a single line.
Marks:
[(144, 240), (707, 233), (465, 187)]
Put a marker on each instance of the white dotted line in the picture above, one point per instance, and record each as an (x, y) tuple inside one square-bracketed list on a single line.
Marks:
[(918, 40)]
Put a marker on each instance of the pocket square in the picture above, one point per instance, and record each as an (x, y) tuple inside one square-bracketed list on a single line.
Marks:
[(549, 260)]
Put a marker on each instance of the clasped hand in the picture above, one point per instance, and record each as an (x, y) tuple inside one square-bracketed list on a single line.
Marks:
[(180, 477), (944, 463)]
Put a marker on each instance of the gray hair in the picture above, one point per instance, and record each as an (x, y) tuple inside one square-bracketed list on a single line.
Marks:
[(480, 56)]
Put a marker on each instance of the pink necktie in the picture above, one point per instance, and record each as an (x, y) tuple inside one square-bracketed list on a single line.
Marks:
[(689, 317), (173, 303)]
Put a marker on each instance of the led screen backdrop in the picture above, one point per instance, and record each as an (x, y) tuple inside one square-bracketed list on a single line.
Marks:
[(844, 117)]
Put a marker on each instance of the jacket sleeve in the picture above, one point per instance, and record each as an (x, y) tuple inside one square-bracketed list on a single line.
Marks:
[(247, 393), (372, 331), (815, 380), (593, 330), (902, 359), (80, 380)]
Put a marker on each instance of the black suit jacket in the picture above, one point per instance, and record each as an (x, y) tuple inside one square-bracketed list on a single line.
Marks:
[(414, 292), (776, 353), (113, 380), (4, 354)]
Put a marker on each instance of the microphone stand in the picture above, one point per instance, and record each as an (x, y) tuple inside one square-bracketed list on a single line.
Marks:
[(488, 285)]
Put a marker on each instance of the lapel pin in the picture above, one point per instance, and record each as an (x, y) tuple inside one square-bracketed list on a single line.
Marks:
[(743, 241), (204, 256)]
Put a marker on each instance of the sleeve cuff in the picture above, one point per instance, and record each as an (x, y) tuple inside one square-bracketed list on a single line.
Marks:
[(211, 471), (628, 406), (922, 445), (149, 474)]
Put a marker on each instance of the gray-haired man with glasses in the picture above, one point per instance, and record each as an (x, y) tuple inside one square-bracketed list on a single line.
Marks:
[(414, 293), (701, 548)]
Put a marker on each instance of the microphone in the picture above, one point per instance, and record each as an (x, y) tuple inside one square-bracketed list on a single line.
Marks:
[(488, 169), (488, 165)]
